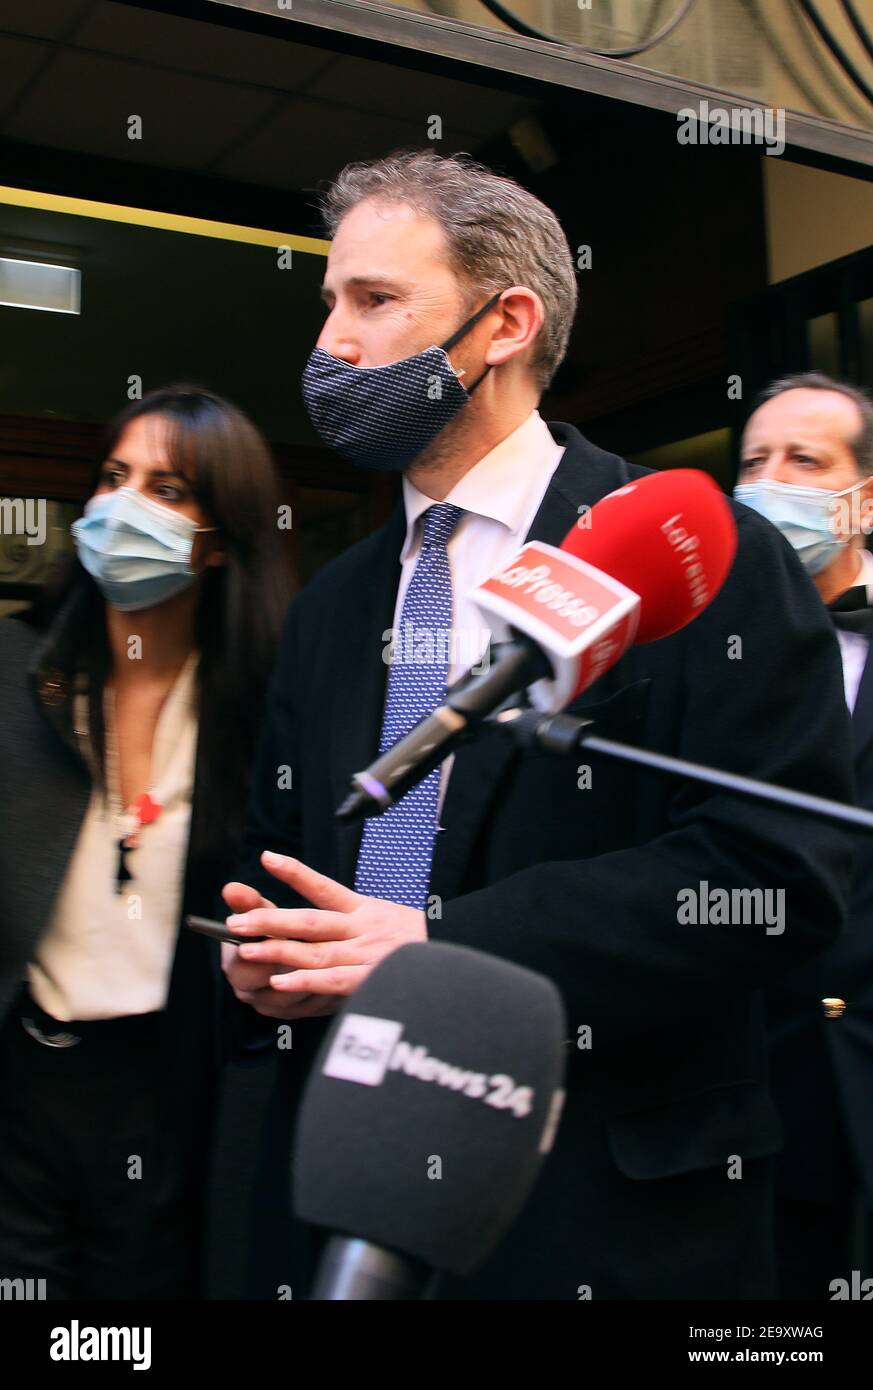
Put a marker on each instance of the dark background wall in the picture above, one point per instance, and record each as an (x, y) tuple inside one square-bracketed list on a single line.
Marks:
[(165, 306), (244, 127)]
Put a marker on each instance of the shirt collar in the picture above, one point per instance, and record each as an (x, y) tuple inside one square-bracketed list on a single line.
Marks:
[(866, 575), (502, 486)]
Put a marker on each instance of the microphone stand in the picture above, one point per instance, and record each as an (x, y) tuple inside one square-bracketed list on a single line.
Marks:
[(565, 735)]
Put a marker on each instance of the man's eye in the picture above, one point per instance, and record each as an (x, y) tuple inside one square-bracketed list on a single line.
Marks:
[(378, 299)]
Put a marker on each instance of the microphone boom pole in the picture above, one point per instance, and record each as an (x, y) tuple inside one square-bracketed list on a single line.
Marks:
[(565, 734)]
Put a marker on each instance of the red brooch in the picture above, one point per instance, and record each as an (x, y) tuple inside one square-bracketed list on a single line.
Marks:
[(145, 809)]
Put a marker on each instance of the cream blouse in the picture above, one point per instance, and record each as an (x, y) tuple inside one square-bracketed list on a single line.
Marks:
[(108, 954)]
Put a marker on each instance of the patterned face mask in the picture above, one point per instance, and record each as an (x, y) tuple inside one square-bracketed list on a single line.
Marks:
[(137, 552), (383, 417)]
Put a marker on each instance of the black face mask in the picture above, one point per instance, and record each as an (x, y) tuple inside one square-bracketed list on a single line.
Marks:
[(384, 417)]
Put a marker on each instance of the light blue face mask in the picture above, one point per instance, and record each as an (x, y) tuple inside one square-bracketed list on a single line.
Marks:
[(137, 552), (804, 515)]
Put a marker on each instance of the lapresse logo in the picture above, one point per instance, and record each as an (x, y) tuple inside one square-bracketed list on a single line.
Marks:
[(365, 1049)]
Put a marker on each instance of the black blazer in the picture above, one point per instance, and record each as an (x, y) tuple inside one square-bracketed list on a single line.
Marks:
[(635, 1199), (823, 1067)]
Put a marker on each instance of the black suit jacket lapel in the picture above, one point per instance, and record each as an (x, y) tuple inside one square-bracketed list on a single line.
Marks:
[(862, 714), (583, 476), (359, 699)]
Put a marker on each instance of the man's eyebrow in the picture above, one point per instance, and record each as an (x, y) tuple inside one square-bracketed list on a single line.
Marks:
[(792, 445), (374, 281)]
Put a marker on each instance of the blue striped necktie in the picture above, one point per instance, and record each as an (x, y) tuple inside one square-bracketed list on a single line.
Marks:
[(397, 847)]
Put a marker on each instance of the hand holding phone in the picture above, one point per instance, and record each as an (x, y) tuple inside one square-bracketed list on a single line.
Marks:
[(218, 931)]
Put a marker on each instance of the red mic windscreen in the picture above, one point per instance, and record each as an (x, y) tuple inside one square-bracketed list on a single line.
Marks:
[(670, 537)]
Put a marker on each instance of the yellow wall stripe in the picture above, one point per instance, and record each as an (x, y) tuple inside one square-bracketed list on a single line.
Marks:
[(164, 221)]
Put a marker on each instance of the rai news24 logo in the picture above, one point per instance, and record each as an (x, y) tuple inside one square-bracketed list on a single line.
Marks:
[(367, 1048)]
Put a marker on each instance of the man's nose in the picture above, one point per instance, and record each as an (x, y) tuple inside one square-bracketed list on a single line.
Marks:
[(777, 468), (337, 339), (782, 470)]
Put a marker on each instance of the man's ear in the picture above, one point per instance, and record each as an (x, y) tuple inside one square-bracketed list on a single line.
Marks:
[(523, 317)]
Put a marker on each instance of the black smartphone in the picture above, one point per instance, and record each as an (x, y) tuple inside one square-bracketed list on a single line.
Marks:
[(218, 931)]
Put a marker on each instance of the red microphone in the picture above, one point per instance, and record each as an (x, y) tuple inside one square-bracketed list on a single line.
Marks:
[(638, 565), (683, 539)]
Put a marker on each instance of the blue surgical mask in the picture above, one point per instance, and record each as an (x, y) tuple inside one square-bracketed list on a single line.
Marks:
[(804, 515), (137, 552), (384, 417)]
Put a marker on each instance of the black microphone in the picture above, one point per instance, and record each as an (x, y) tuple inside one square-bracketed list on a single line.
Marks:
[(510, 667), (426, 1118)]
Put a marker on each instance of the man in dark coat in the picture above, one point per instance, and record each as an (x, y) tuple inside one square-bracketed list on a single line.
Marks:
[(809, 444), (659, 1182)]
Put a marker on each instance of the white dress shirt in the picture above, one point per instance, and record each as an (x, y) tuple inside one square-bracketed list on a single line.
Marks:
[(854, 645), (501, 495), (109, 954)]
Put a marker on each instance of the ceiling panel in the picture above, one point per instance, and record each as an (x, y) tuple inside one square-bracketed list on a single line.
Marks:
[(167, 41), (83, 103), (19, 61), (212, 100), (386, 89), (309, 141), (49, 19)]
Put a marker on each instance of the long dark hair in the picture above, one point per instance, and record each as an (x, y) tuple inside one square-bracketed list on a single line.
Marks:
[(227, 464)]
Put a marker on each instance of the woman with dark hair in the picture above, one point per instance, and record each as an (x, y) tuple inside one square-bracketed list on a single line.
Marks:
[(128, 715)]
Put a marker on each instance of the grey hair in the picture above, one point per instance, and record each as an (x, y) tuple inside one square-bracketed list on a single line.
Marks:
[(497, 232), (862, 443)]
